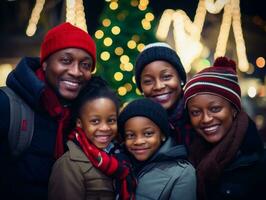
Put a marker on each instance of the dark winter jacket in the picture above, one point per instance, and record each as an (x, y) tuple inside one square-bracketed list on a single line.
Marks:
[(166, 175), (245, 177), (26, 176)]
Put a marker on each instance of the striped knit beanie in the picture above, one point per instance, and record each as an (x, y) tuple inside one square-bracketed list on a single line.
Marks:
[(158, 51), (220, 79)]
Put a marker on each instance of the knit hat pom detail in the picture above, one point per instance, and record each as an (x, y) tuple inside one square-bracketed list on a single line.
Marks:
[(225, 62), (220, 79)]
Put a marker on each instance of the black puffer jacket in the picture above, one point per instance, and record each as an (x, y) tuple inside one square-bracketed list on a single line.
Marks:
[(26, 177), (245, 177)]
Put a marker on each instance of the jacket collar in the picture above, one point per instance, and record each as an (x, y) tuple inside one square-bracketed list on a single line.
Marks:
[(76, 153), (24, 81)]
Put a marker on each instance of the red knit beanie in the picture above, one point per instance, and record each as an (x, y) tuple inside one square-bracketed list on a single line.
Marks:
[(220, 79), (67, 36)]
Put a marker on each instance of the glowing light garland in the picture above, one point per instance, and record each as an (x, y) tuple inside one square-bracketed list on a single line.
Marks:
[(35, 16), (187, 34), (74, 14)]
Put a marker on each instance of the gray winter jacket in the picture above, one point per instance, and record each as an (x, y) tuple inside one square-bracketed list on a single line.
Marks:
[(167, 175)]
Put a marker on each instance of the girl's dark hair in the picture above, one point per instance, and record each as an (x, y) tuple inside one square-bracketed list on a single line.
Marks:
[(94, 89)]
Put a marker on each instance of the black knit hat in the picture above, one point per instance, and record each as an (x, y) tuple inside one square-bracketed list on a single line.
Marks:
[(158, 51), (146, 108)]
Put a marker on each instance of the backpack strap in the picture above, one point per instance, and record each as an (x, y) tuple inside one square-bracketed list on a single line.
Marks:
[(21, 124)]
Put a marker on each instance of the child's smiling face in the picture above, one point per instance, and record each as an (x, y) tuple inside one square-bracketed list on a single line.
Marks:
[(98, 118), (142, 137)]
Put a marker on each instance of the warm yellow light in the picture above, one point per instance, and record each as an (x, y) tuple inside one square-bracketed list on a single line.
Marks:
[(164, 24), (106, 22), (80, 20), (205, 53), (147, 27), (149, 16), (70, 11), (95, 70), (142, 8), (138, 92), (105, 56), (99, 34), (131, 44), (128, 86), (260, 62), (146, 24), (118, 76), (122, 66), (108, 41), (187, 33), (113, 5), (119, 51), (5, 69), (252, 92), (31, 29), (122, 91), (140, 47), (144, 2), (35, 16), (134, 79), (116, 30), (243, 68), (128, 67), (124, 59), (216, 7)]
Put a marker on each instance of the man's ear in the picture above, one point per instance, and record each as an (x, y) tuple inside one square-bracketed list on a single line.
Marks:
[(44, 66)]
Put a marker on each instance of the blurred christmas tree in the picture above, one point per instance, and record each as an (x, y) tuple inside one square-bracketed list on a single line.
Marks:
[(126, 27)]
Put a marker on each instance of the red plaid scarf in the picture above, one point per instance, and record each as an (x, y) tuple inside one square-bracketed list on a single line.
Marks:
[(51, 104), (108, 164)]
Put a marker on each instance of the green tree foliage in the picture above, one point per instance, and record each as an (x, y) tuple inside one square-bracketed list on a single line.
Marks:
[(126, 27)]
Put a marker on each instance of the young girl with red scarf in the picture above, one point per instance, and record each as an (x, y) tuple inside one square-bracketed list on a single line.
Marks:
[(94, 167)]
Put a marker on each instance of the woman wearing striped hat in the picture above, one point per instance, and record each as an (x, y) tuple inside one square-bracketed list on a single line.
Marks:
[(227, 151)]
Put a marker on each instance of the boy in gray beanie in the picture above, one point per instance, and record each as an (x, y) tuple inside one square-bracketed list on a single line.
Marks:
[(156, 160)]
